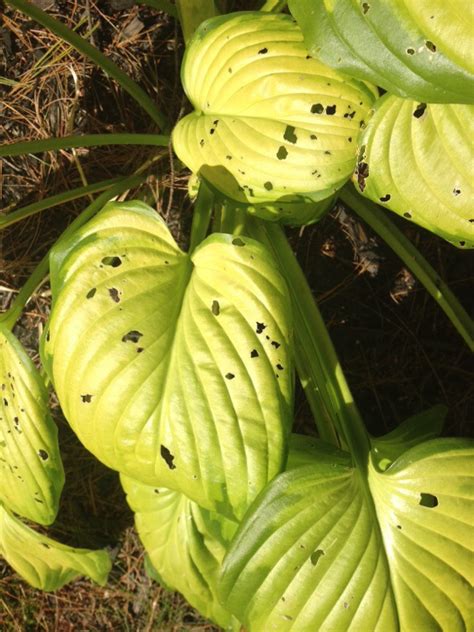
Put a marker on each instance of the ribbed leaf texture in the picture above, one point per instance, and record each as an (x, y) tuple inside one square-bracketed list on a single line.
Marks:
[(175, 371), (45, 563), (185, 544), (271, 125), (418, 49), (31, 471), (319, 550), (416, 159)]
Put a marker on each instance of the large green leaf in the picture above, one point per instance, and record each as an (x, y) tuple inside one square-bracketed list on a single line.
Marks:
[(166, 365), (45, 563), (271, 125), (325, 549), (185, 544), (416, 159), (420, 49), (31, 471)]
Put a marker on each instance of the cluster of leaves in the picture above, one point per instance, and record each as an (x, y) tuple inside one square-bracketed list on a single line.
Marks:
[(176, 369)]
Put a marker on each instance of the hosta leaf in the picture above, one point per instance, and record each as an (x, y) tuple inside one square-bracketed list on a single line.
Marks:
[(312, 554), (31, 472), (414, 430), (271, 125), (165, 365), (45, 563), (420, 49), (416, 159), (185, 544)]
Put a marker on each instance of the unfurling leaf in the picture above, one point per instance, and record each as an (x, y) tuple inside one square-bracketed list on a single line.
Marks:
[(272, 127), (31, 471), (419, 49), (322, 550), (415, 159), (45, 563), (173, 370), (185, 544)]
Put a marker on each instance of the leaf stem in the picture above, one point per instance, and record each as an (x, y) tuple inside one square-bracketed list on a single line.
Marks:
[(201, 215), (192, 12), (95, 55), (85, 140), (336, 414), (55, 200), (9, 318), (414, 260)]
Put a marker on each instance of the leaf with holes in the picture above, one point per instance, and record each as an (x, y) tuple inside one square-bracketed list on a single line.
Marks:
[(185, 544), (416, 159), (272, 128), (418, 49), (173, 370), (31, 471), (326, 547), (45, 563)]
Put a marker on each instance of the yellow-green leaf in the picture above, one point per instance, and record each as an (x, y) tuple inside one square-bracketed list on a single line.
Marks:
[(31, 471), (173, 370), (271, 125)]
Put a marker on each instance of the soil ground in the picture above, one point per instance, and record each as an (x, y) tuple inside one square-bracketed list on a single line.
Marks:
[(400, 353)]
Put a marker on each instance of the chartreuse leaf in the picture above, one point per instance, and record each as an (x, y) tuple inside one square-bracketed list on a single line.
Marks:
[(31, 471), (271, 125), (411, 432), (324, 548), (185, 544), (416, 160), (45, 563), (419, 49), (165, 365)]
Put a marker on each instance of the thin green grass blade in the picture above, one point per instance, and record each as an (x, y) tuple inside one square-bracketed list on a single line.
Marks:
[(55, 200), (86, 140), (86, 49), (9, 318), (414, 260)]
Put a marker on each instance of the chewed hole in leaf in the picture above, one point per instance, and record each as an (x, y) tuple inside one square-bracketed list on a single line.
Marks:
[(254, 353), (263, 51), (215, 308), (385, 198), (229, 376), (290, 135), (132, 336), (430, 46), (315, 556), (238, 242), (260, 327), (87, 398), (43, 455), (331, 109), (91, 293), (410, 51), (114, 262), (268, 186), (168, 457), (428, 500), (114, 294), (317, 108), (419, 110), (365, 7), (282, 153)]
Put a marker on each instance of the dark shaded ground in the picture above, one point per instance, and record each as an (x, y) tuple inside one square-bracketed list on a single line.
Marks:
[(399, 350)]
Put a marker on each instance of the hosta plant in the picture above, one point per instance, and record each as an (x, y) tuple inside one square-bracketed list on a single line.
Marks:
[(176, 369)]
